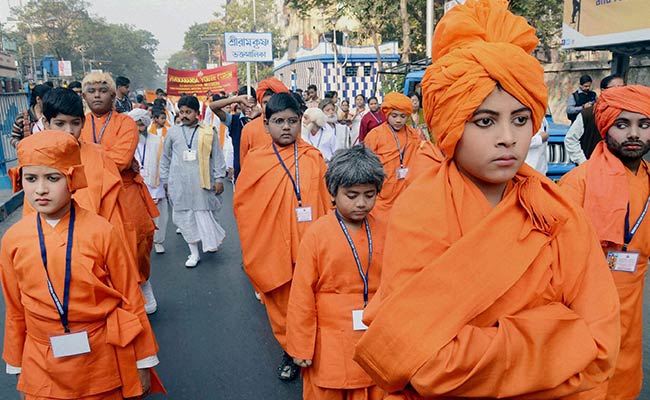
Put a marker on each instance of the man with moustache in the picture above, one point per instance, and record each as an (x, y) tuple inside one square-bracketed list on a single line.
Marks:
[(614, 188), (332, 127)]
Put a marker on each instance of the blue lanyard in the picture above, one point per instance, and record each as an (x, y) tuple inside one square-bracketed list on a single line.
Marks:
[(189, 145), (296, 182), (629, 234), (364, 275), (400, 151), (101, 133), (62, 309)]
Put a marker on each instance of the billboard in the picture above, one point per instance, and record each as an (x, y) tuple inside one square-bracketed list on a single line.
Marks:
[(200, 81), (600, 23), (249, 46)]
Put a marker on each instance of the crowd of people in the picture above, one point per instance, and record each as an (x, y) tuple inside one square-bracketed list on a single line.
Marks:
[(400, 251)]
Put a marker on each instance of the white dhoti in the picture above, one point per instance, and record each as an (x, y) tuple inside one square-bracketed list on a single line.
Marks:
[(200, 226), (161, 221)]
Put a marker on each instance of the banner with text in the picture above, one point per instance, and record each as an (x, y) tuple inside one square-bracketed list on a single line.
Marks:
[(249, 46), (599, 23), (200, 81)]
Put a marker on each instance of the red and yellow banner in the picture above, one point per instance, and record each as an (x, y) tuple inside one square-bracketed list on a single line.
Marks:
[(200, 81)]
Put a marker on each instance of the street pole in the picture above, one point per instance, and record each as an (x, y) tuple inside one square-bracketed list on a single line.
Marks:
[(429, 28), (255, 30), (31, 41)]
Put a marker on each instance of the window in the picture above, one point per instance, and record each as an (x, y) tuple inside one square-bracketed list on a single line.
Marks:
[(367, 69), (351, 71)]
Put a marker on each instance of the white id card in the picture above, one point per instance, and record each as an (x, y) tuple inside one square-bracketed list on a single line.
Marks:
[(357, 321), (189, 155), (144, 173), (401, 173), (303, 214), (70, 344), (623, 261)]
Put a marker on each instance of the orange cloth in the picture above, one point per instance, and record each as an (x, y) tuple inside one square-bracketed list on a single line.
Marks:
[(633, 98), (264, 205), (475, 46), (628, 378), (273, 84), (253, 135), (382, 142), (119, 142), (396, 101), (105, 301), (120, 138), (326, 288), (488, 302), (311, 391), (54, 149), (103, 196)]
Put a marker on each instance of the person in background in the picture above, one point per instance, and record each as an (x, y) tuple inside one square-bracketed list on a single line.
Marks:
[(373, 118), (314, 132), (417, 117), (30, 120), (122, 101), (583, 136), (345, 114), (340, 132), (581, 99), (312, 96), (359, 111), (538, 152)]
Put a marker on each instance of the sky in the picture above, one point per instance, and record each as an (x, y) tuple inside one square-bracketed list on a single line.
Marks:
[(168, 20)]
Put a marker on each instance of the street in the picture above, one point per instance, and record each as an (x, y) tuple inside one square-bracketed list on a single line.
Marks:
[(214, 337)]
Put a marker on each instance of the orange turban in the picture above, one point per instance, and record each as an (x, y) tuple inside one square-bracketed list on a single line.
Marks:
[(476, 46), (272, 84), (634, 98), (54, 149), (396, 101)]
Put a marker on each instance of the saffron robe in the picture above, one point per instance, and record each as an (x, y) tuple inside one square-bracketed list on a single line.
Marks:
[(326, 288), (105, 301), (382, 142), (119, 141), (628, 378), (265, 209), (512, 301)]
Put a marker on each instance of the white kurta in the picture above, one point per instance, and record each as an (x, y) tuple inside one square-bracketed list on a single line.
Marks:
[(324, 140), (194, 208)]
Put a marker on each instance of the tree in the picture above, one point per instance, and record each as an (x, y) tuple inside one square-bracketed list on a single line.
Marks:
[(64, 29), (545, 16)]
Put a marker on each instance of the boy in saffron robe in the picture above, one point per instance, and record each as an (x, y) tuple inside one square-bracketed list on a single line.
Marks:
[(493, 283), (75, 324), (280, 193), (395, 142), (614, 187), (337, 272)]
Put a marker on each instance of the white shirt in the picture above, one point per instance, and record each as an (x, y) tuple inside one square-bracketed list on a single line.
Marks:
[(324, 140), (537, 153), (572, 141)]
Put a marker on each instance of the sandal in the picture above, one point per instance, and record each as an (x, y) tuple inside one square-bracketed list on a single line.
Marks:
[(287, 371)]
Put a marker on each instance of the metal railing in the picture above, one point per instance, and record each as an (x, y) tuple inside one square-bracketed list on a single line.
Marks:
[(10, 105)]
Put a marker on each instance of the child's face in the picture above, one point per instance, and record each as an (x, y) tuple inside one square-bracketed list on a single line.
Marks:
[(160, 120), (46, 189), (66, 123), (188, 116), (495, 141), (284, 127), (373, 105), (355, 202), (99, 97), (397, 120)]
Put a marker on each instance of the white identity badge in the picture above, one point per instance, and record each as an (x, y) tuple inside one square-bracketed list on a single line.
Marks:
[(357, 321), (70, 344), (144, 173), (303, 214), (401, 173), (623, 261), (189, 155)]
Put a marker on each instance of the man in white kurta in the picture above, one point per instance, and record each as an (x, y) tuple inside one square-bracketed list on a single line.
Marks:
[(193, 170)]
